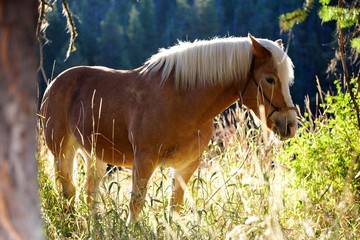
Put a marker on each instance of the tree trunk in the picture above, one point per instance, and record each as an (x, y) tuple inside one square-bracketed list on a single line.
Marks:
[(19, 203)]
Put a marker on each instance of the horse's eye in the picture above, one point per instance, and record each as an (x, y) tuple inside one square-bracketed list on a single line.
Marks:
[(270, 80)]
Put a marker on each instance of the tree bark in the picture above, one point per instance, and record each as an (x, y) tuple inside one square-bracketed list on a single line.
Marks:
[(19, 203)]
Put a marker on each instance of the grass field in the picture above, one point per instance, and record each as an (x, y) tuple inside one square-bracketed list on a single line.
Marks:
[(250, 186)]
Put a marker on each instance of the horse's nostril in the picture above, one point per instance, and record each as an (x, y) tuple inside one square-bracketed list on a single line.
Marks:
[(288, 129)]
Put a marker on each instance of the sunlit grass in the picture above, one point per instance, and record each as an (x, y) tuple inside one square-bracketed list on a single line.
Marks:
[(245, 188)]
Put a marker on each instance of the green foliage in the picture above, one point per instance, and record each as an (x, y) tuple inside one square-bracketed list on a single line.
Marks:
[(355, 43), (327, 151), (343, 16), (288, 20)]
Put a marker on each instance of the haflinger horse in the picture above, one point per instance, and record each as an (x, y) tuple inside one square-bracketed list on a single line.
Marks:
[(161, 114)]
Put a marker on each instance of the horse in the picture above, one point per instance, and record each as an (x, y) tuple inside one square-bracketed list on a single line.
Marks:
[(161, 113)]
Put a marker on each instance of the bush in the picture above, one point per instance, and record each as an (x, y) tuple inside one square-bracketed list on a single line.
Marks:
[(325, 158)]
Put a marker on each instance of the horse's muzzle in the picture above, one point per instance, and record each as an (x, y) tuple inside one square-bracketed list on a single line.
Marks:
[(284, 124)]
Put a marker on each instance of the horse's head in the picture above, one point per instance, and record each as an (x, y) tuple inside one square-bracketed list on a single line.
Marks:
[(268, 84)]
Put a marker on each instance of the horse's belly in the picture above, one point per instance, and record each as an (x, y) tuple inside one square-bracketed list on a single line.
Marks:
[(119, 153), (115, 157)]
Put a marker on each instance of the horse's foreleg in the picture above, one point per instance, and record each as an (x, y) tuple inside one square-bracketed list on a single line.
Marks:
[(182, 176), (141, 174), (96, 170)]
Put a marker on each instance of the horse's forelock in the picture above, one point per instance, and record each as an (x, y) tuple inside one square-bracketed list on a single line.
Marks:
[(283, 63), (285, 67)]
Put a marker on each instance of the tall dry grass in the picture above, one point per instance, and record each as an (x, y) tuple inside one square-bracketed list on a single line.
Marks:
[(249, 186)]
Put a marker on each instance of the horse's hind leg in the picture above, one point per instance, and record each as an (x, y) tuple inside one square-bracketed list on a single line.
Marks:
[(182, 175), (95, 172), (64, 167)]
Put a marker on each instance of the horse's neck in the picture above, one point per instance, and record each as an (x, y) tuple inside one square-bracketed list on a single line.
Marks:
[(201, 104), (208, 102)]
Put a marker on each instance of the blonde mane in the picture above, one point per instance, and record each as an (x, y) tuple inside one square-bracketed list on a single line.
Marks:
[(215, 61)]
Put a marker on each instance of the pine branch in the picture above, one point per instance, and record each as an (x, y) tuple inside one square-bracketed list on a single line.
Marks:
[(44, 7), (42, 16), (288, 20), (70, 27)]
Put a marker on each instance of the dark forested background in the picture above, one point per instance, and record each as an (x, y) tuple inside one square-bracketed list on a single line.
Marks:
[(122, 34)]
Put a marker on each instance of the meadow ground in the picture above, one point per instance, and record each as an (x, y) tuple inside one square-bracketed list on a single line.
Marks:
[(250, 185)]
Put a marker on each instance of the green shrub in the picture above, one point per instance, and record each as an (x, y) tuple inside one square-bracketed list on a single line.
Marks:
[(325, 160), (327, 150)]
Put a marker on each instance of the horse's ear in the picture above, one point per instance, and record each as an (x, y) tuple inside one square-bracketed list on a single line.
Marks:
[(280, 43), (259, 50)]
